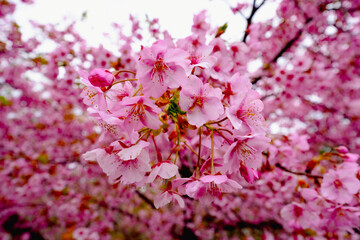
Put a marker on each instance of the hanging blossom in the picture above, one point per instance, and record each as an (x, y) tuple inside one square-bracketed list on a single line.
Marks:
[(166, 197), (209, 185), (137, 112), (156, 113), (201, 101), (340, 185), (161, 67), (129, 165), (246, 110), (97, 83), (246, 151)]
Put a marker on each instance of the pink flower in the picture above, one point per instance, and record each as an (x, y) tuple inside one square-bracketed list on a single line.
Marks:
[(99, 77), (165, 170), (160, 68), (212, 185), (340, 185), (128, 166), (341, 217), (200, 56), (95, 94), (246, 110), (138, 112), (300, 142), (118, 92), (217, 184), (94, 155), (200, 25), (201, 102), (166, 197), (246, 151), (296, 214), (249, 174), (222, 67), (84, 234)]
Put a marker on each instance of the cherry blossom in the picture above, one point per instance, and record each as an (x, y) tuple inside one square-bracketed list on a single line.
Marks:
[(254, 136), (137, 112), (167, 197), (340, 185), (201, 101), (161, 67)]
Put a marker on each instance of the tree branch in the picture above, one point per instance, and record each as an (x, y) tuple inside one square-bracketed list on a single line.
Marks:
[(249, 19), (147, 200), (278, 165), (285, 48)]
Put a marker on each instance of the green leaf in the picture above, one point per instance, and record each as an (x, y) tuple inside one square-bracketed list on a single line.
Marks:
[(4, 101), (221, 30), (43, 158), (174, 108), (84, 15)]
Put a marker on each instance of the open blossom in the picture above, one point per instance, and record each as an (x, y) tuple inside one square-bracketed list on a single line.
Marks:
[(201, 102), (128, 166), (138, 112), (237, 86), (85, 234), (167, 197), (200, 25), (222, 67), (165, 170), (117, 92), (209, 185), (247, 151), (340, 185), (341, 217), (92, 95), (200, 56), (160, 68), (297, 215), (246, 110)]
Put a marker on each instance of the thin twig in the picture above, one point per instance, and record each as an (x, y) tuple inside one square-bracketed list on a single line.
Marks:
[(146, 199), (115, 73), (249, 19), (278, 165)]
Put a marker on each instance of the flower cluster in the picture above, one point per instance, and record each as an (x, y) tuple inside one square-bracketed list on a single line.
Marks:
[(184, 125), (181, 110)]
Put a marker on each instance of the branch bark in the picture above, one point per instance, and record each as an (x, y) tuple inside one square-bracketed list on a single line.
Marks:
[(250, 18)]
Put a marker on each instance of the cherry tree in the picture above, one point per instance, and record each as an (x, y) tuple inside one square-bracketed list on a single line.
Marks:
[(178, 139)]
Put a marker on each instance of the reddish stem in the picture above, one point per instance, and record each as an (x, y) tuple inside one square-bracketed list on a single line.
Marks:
[(158, 153)]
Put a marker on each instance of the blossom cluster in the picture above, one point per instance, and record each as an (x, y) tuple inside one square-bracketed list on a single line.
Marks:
[(184, 125), (182, 109)]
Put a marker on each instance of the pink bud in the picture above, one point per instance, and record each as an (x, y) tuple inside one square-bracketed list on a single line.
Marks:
[(342, 149), (249, 174), (100, 77)]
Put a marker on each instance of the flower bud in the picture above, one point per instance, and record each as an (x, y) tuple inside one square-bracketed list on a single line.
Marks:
[(101, 78)]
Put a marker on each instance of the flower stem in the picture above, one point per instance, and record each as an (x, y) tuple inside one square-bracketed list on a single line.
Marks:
[(212, 153), (124, 80), (158, 153), (115, 73), (217, 122), (199, 154)]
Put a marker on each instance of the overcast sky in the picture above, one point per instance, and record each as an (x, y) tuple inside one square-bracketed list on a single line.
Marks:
[(174, 16)]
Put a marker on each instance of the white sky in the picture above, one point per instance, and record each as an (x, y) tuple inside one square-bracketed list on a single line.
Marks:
[(174, 16)]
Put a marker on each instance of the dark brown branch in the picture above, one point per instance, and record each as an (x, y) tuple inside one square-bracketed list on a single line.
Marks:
[(278, 165), (286, 47), (290, 43), (249, 19), (147, 200)]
